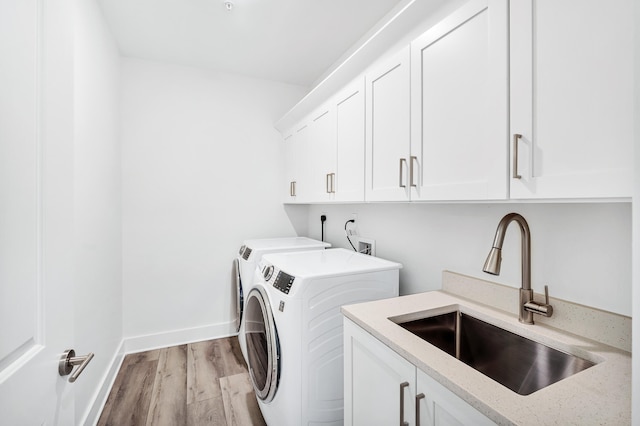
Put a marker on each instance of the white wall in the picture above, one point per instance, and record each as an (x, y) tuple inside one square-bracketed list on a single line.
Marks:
[(581, 251), (97, 203), (200, 174), (636, 230)]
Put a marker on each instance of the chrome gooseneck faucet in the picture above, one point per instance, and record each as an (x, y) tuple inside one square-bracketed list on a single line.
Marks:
[(492, 266)]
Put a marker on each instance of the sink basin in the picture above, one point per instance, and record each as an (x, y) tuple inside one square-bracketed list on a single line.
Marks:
[(520, 364)]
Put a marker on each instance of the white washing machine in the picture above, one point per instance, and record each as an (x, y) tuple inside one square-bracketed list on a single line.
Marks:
[(293, 329), (245, 264)]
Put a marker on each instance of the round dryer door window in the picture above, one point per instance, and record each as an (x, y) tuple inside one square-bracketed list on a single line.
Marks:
[(262, 344)]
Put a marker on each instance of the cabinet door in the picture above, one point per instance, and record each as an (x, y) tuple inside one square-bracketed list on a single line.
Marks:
[(348, 181), (290, 167), (388, 129), (299, 159), (322, 149), (571, 98), (374, 376), (441, 407), (460, 99)]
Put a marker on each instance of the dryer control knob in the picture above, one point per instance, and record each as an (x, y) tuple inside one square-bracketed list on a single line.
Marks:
[(268, 271), (242, 249)]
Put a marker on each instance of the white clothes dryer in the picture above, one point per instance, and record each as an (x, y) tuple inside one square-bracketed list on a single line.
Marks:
[(294, 334), (245, 263)]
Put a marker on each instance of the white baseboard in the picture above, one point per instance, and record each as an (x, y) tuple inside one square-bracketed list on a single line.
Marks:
[(92, 415), (178, 337)]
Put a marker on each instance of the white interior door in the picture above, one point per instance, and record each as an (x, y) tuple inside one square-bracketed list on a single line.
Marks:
[(36, 211)]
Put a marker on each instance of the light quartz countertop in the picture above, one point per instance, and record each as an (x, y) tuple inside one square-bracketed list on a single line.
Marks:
[(598, 395)]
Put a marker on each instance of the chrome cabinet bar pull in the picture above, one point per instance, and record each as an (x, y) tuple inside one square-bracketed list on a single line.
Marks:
[(327, 185), (516, 137), (292, 188), (402, 386), (333, 183), (418, 398), (402, 160), (69, 359), (411, 160)]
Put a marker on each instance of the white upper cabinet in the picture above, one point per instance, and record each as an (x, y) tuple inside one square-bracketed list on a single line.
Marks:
[(503, 99), (322, 150), (459, 105), (336, 140), (348, 180), (290, 170), (571, 98), (388, 129), (324, 153), (296, 154)]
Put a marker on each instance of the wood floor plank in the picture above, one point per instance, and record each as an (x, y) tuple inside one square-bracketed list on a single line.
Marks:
[(202, 373), (141, 357), (152, 355), (169, 396), (207, 412), (240, 404), (228, 357), (130, 396), (236, 352)]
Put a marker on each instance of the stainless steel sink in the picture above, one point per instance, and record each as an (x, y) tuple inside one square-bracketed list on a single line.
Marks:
[(520, 364)]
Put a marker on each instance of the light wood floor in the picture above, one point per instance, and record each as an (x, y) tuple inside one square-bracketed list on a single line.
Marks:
[(204, 383)]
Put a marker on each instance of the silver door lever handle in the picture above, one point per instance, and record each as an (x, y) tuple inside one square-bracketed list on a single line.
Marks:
[(68, 360)]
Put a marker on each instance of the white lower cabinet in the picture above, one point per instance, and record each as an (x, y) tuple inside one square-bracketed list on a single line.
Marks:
[(383, 388), (374, 378), (438, 406)]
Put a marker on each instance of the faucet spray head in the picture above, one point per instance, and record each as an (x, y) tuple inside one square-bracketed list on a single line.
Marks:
[(492, 264)]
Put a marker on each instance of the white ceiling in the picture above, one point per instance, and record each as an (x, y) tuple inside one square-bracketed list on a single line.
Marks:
[(292, 41)]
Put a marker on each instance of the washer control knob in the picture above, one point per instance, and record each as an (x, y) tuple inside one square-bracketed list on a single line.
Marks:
[(241, 249), (267, 272)]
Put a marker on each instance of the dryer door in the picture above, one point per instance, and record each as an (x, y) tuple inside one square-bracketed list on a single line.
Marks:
[(263, 348), (239, 293)]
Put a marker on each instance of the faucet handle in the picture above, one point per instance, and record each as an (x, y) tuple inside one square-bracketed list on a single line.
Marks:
[(544, 309), (546, 294)]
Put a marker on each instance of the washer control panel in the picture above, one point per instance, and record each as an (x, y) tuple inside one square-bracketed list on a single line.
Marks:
[(246, 253), (283, 282), (267, 272)]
